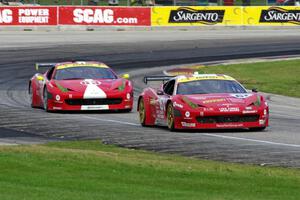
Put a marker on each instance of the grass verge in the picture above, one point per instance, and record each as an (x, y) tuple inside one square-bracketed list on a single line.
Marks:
[(90, 170), (278, 77)]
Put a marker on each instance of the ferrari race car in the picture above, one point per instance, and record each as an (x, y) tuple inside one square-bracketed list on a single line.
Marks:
[(202, 101), (80, 86)]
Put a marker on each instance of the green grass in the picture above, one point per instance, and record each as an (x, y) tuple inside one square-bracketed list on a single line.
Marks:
[(279, 77), (89, 170)]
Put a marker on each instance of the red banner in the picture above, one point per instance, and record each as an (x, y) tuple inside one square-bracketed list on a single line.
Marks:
[(28, 16), (107, 16)]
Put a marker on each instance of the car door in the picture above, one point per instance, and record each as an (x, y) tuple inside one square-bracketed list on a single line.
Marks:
[(168, 90)]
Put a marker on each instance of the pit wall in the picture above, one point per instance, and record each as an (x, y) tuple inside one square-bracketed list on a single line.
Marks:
[(172, 16)]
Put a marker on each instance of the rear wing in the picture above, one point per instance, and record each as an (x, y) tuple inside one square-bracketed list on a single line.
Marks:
[(44, 65), (157, 78)]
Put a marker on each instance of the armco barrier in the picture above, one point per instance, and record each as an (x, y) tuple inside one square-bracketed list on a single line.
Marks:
[(149, 16)]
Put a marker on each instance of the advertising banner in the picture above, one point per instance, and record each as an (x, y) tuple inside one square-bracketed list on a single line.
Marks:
[(196, 16), (105, 16), (271, 16), (25, 16)]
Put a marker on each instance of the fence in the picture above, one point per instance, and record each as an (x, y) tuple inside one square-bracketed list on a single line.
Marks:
[(158, 2)]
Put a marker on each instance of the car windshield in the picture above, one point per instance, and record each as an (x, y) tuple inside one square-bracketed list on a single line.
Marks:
[(210, 86), (85, 72)]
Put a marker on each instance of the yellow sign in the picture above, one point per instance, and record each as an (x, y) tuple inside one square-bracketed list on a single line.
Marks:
[(225, 16), (271, 16), (196, 16)]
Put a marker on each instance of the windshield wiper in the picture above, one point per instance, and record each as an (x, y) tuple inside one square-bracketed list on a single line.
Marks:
[(73, 79)]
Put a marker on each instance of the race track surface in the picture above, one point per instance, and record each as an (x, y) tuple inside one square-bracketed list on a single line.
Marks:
[(141, 53)]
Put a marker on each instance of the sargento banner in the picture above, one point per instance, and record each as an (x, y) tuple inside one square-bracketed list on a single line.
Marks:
[(190, 15), (271, 16), (106, 16), (25, 16), (196, 16)]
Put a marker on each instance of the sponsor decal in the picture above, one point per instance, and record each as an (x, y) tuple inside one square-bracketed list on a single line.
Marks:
[(90, 82), (94, 107), (280, 15), (214, 100), (241, 96), (249, 111), (175, 104), (190, 15), (57, 108), (185, 124), (228, 125), (232, 109), (187, 114)]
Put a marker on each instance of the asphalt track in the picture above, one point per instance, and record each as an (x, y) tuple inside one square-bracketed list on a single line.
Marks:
[(141, 53)]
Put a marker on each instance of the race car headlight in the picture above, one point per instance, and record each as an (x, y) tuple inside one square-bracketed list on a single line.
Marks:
[(257, 102)]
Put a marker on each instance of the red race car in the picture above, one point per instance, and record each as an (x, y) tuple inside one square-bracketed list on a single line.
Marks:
[(202, 101), (80, 86)]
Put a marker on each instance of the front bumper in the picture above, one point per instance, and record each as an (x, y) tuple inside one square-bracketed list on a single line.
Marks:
[(218, 120), (77, 103)]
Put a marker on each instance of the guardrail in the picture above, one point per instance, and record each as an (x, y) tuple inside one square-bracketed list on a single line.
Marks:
[(149, 16)]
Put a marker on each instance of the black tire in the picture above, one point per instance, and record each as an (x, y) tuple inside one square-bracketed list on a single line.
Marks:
[(45, 100), (170, 117), (30, 93), (257, 128), (142, 112)]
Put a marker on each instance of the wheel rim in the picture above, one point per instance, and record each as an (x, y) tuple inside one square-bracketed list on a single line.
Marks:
[(170, 117), (142, 111), (45, 100)]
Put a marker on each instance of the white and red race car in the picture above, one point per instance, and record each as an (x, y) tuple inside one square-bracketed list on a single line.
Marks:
[(80, 86)]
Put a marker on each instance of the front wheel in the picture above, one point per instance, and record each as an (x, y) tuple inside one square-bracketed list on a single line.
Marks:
[(170, 117), (142, 112), (30, 93), (45, 100)]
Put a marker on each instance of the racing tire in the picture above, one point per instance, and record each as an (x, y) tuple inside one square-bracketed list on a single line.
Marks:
[(170, 117), (30, 93), (45, 100), (142, 112), (258, 128)]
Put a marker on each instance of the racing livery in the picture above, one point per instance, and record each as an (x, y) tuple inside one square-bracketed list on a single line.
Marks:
[(202, 101), (80, 86)]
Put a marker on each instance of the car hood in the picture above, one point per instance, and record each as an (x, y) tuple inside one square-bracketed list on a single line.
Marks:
[(82, 85), (221, 100)]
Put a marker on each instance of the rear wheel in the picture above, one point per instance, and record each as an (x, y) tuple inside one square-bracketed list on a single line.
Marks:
[(142, 112), (170, 117)]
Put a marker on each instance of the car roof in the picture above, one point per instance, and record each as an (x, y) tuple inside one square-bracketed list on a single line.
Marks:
[(196, 77), (80, 64)]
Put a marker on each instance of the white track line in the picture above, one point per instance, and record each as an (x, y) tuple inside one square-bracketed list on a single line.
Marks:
[(206, 134), (251, 140), (111, 120)]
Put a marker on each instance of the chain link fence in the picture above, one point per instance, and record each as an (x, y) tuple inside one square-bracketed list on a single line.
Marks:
[(154, 2)]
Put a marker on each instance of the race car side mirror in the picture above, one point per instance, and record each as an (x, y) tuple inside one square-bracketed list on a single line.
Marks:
[(159, 92), (40, 78), (254, 90), (125, 76)]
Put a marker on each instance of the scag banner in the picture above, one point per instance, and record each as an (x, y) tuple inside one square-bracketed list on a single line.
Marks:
[(271, 16), (107, 16), (196, 16), (28, 16)]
